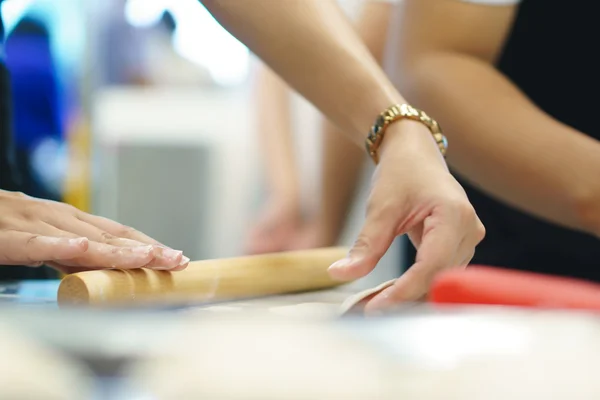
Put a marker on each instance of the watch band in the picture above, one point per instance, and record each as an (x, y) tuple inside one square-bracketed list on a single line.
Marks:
[(397, 113)]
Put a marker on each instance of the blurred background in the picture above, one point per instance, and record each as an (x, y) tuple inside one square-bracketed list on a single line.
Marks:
[(144, 111)]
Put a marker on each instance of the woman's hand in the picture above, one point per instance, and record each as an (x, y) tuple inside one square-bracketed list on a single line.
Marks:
[(34, 232), (414, 193), (282, 227), (279, 221)]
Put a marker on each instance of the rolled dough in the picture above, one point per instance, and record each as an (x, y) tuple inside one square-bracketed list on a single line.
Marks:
[(356, 303), (320, 305)]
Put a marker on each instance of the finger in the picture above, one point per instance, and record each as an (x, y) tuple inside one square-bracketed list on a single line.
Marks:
[(71, 267), (104, 256), (168, 259), (117, 229), (438, 251), (22, 248), (36, 264), (111, 232), (77, 227), (373, 241), (466, 261), (182, 265), (164, 258), (73, 270)]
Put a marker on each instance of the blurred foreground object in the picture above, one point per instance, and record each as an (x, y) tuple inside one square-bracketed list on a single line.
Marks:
[(38, 108), (165, 66), (456, 355), (267, 358), (486, 285), (77, 190), (31, 371)]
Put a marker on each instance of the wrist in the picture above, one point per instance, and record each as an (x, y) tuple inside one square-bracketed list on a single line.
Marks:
[(392, 116), (409, 137)]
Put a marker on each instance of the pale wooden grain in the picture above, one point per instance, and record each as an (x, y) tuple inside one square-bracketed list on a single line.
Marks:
[(205, 281)]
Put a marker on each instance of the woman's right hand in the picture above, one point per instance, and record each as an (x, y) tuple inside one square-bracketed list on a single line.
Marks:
[(34, 232), (413, 192)]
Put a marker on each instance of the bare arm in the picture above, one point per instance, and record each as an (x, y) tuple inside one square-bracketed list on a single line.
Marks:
[(275, 135), (342, 160), (512, 150), (313, 47), (316, 39), (281, 214)]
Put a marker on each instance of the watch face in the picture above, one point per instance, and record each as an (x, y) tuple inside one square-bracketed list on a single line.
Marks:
[(444, 142)]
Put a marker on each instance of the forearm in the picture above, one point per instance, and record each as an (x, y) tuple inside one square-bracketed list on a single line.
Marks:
[(341, 167), (342, 161), (314, 48), (275, 135), (503, 143)]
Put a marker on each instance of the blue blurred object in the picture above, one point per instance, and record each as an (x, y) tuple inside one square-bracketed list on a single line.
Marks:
[(37, 107), (36, 100), (30, 292)]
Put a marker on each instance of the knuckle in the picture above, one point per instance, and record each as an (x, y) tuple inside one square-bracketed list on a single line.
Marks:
[(125, 231), (106, 237), (480, 231), (8, 223), (35, 210), (361, 244), (367, 247), (463, 209), (32, 240), (70, 208), (36, 264)]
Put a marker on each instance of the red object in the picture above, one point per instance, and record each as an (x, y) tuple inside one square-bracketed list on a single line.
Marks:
[(497, 286)]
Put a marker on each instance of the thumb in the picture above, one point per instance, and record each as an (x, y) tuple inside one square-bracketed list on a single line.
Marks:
[(375, 238)]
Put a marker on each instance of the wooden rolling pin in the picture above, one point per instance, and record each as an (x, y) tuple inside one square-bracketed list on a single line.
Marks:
[(205, 281)]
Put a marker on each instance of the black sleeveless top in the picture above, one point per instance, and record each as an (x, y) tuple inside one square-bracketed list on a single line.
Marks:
[(552, 56), (6, 170)]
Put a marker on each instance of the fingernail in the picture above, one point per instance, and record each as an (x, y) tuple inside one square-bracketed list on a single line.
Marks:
[(341, 264), (142, 250), (184, 260), (172, 254)]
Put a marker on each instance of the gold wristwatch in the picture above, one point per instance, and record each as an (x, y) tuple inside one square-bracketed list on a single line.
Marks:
[(397, 113)]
